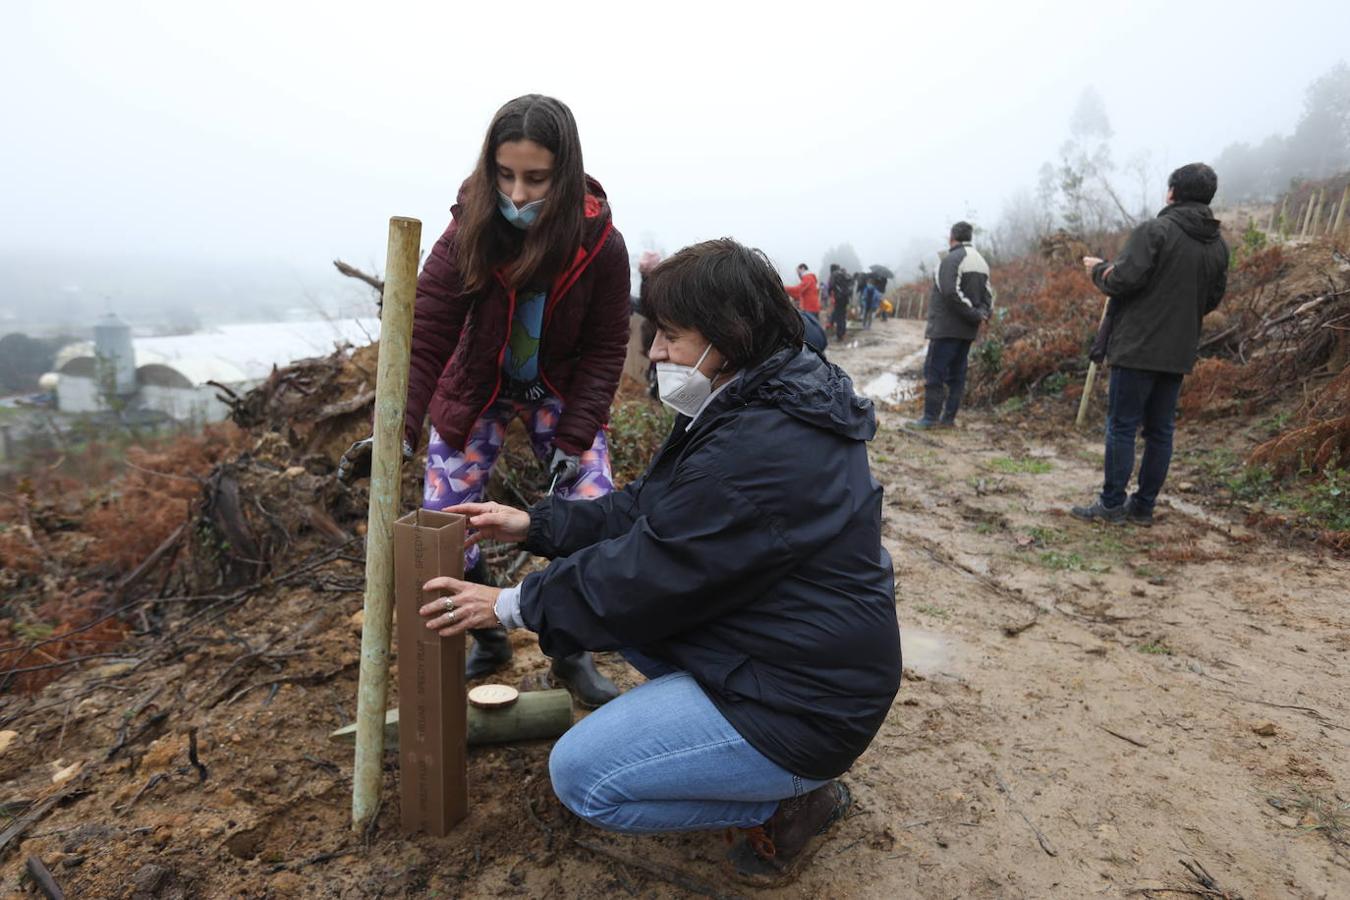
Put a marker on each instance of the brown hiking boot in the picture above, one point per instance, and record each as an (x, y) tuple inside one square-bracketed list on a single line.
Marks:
[(775, 852)]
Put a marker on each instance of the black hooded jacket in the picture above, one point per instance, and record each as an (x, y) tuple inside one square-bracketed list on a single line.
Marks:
[(1172, 272), (741, 559)]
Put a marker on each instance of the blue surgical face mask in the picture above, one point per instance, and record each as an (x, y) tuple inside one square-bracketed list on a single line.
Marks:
[(523, 217)]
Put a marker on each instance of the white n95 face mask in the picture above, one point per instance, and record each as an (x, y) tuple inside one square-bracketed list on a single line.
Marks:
[(683, 388)]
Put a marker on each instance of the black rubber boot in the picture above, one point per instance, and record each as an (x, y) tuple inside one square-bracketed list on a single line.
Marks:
[(491, 648), (580, 676), (949, 411), (932, 408), (491, 651)]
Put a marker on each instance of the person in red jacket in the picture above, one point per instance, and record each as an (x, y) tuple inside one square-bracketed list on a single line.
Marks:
[(522, 313), (806, 293)]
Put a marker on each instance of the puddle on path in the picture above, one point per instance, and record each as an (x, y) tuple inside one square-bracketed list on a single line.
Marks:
[(927, 652), (899, 384)]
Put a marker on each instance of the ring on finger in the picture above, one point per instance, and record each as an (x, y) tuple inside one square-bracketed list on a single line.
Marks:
[(451, 616), (449, 604)]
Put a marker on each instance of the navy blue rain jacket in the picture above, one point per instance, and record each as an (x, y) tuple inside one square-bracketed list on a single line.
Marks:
[(748, 555)]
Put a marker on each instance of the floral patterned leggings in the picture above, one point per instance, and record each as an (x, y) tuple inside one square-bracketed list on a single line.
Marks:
[(455, 476)]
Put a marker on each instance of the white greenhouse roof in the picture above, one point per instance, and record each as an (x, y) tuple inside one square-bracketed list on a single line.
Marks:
[(230, 354)]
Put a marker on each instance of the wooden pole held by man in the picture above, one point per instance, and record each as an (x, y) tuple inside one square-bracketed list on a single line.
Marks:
[(1091, 375), (391, 392)]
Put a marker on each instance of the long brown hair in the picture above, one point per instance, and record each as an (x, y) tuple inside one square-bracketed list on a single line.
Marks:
[(486, 240)]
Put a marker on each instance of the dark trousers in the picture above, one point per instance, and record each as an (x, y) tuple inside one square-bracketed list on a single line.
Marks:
[(944, 378), (840, 319), (1139, 399)]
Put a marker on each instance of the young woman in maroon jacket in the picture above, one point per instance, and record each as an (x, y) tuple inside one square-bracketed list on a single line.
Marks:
[(522, 312)]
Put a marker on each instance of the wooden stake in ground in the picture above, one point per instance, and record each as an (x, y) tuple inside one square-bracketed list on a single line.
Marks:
[(1340, 213), (391, 393), (1091, 374), (1308, 214)]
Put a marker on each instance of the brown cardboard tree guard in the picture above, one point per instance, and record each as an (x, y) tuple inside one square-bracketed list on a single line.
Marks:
[(433, 747)]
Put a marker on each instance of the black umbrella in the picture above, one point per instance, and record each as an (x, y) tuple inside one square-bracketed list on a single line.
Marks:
[(882, 271)]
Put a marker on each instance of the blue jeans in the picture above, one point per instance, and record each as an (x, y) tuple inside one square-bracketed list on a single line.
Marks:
[(661, 757), (944, 378), (1139, 399)]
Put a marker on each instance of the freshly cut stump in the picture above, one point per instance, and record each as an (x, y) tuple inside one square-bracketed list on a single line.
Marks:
[(493, 696)]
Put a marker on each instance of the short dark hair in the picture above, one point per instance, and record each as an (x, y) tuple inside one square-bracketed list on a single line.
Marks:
[(803, 266), (731, 294), (963, 232), (1195, 182), (835, 267)]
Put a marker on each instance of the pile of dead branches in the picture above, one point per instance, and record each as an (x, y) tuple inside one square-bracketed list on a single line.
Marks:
[(1285, 340)]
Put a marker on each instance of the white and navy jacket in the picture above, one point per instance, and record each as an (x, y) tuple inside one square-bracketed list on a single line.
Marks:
[(962, 297)]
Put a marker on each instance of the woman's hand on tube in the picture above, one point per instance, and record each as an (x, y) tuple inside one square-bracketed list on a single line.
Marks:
[(494, 522), (461, 606)]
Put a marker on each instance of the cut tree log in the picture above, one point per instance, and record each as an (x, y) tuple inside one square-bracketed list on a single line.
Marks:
[(536, 715)]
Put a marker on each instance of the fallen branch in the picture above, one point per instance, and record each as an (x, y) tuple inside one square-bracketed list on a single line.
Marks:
[(150, 724), (1012, 801), (1015, 630), (1126, 738), (192, 756), (314, 860), (145, 788), (938, 556), (353, 272), (1207, 886), (42, 877), (310, 680), (62, 663), (1312, 713), (37, 812)]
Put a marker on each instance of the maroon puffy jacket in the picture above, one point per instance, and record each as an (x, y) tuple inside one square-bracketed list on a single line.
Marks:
[(459, 338)]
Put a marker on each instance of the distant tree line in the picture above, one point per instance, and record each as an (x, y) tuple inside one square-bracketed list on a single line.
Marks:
[(1091, 195), (1318, 148)]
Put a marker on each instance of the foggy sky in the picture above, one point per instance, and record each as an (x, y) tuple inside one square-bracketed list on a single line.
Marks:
[(286, 133)]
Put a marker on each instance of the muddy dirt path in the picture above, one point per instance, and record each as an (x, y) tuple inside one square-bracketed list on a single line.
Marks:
[(1091, 704), (1085, 707)]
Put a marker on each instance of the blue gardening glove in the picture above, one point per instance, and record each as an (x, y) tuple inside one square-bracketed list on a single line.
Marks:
[(355, 463), (564, 467)]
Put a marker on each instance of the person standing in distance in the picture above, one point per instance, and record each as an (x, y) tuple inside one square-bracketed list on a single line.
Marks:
[(960, 302)]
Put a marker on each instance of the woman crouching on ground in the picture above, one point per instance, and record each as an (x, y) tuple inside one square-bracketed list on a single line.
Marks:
[(742, 577)]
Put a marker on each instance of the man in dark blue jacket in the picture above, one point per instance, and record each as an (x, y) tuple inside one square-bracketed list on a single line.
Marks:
[(960, 301), (1171, 274)]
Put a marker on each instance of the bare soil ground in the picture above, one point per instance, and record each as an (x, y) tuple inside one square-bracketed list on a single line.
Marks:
[(1086, 709)]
